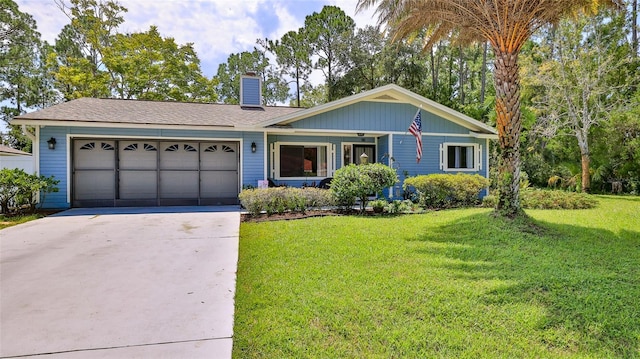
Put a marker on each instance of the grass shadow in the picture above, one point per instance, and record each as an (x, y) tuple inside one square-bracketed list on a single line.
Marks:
[(585, 280)]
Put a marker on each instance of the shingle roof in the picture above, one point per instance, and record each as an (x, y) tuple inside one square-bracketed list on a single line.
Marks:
[(12, 151), (157, 113)]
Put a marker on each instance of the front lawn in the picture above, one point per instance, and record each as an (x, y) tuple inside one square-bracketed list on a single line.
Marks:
[(457, 283)]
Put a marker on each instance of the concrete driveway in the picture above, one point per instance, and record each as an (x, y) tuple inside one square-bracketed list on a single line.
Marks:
[(120, 283)]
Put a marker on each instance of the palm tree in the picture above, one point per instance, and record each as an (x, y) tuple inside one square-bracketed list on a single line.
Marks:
[(506, 25)]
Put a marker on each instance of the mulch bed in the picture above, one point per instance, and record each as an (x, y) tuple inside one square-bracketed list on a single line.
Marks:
[(246, 217)]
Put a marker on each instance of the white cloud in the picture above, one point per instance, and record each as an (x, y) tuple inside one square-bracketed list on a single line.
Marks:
[(217, 28), (286, 21)]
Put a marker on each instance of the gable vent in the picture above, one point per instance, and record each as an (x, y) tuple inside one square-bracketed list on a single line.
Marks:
[(385, 98), (250, 91)]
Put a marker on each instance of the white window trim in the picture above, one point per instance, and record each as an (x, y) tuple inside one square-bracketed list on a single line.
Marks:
[(477, 150), (331, 160)]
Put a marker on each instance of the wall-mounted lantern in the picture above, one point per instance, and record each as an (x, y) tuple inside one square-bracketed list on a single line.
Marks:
[(52, 143), (364, 159), (254, 147)]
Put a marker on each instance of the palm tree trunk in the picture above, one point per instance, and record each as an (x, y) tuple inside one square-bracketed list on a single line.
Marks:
[(461, 74), (509, 125), (483, 78), (634, 28)]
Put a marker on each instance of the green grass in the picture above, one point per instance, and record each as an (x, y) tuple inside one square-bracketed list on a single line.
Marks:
[(14, 220), (456, 283)]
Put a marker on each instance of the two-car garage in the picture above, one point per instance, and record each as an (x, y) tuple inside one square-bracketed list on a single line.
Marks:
[(131, 172)]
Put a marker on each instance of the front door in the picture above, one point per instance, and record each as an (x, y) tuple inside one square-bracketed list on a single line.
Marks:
[(369, 150)]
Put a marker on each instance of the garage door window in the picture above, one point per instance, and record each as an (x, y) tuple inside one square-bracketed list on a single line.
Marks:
[(92, 145)]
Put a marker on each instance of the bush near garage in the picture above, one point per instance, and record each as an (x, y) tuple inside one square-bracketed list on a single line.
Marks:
[(279, 200), (19, 190), (447, 190)]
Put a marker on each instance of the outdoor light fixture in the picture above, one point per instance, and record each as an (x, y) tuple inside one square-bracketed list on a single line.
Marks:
[(52, 143), (360, 134), (364, 159), (254, 148)]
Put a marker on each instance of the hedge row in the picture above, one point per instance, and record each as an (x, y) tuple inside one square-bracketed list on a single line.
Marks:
[(548, 199), (282, 199), (446, 190)]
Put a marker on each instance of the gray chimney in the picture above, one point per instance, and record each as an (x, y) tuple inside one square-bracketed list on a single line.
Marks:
[(250, 90)]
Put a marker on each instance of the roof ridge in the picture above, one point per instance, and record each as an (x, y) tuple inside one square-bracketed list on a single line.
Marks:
[(178, 102)]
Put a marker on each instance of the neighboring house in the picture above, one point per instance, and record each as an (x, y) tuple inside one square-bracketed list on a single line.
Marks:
[(112, 152), (12, 158)]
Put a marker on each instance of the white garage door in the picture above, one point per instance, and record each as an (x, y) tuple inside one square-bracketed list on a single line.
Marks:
[(149, 173)]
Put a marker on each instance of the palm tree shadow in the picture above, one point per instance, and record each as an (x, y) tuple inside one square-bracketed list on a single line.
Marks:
[(587, 280)]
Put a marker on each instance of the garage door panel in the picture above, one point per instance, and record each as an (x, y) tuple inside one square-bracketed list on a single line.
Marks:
[(219, 156), (216, 184), (138, 184), (178, 184), (94, 154), (92, 185), (138, 155), (178, 156)]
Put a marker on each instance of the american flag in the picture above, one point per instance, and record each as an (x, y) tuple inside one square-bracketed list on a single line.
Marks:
[(416, 130)]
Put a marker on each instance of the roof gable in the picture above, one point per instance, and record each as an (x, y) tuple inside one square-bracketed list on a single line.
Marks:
[(390, 94)]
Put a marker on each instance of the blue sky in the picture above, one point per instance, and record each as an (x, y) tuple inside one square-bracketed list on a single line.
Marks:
[(216, 27)]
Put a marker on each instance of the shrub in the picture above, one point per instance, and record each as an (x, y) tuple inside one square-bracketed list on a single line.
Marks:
[(491, 201), (398, 206), (545, 199), (282, 199), (548, 199), (19, 189), (447, 190), (354, 182), (378, 205)]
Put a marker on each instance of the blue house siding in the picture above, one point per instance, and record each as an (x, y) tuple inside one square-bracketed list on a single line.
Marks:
[(54, 162), (253, 163), (404, 153), (377, 116)]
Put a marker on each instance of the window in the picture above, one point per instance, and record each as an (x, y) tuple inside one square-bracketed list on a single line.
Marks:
[(189, 148), (150, 147), (302, 160), (88, 146), (172, 148), (460, 157)]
